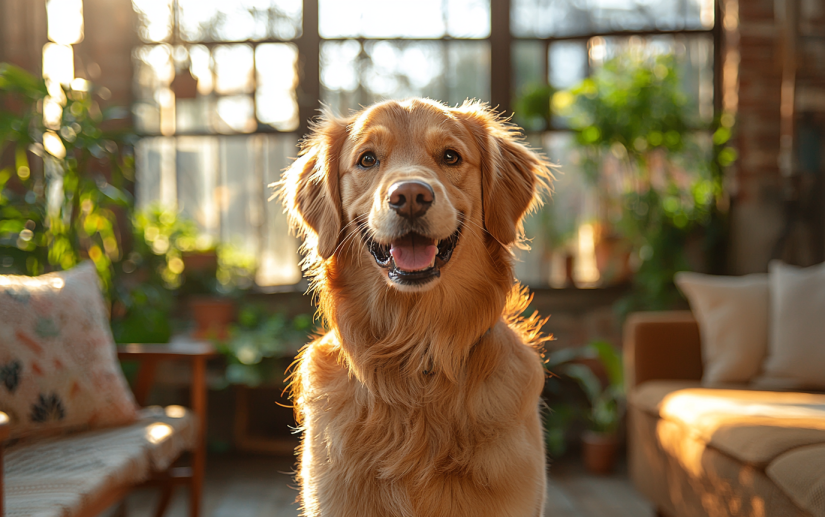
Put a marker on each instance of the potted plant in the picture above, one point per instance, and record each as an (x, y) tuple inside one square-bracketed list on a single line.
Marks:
[(262, 344), (67, 177), (533, 106), (658, 183), (600, 443)]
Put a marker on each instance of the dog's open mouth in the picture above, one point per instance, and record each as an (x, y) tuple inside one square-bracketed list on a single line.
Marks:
[(413, 259)]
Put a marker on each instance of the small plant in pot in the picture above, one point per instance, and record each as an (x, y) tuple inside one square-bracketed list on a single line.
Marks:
[(262, 344), (607, 404)]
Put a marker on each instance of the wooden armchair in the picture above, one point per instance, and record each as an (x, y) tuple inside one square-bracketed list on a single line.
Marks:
[(91, 503)]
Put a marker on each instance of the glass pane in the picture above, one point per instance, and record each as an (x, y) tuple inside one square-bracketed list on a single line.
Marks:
[(468, 18), (154, 19), (238, 195), (467, 72), (154, 71), (547, 18), (528, 77), (567, 63), (278, 261), (694, 59), (239, 20), (422, 19), (155, 172), (196, 169), (235, 114), (221, 184), (233, 69), (193, 115), (275, 101), (352, 75)]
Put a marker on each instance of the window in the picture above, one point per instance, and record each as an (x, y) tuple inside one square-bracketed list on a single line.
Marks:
[(215, 88), (441, 51), (559, 43), (248, 75)]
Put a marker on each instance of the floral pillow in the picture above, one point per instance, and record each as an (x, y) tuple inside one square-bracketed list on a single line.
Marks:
[(58, 367)]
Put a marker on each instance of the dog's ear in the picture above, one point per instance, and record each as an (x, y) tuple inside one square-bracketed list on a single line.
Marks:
[(512, 176), (309, 187)]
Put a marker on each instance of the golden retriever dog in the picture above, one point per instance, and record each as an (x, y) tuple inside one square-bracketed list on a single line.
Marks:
[(423, 398)]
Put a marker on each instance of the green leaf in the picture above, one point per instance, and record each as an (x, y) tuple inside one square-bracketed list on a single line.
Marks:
[(11, 226), (15, 79), (586, 378), (612, 361)]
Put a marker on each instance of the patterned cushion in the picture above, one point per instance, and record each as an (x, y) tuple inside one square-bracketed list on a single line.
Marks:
[(55, 477), (58, 367)]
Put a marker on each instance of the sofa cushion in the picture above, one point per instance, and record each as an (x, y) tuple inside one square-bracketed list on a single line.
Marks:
[(55, 477), (801, 474), (58, 367), (732, 313), (796, 347), (685, 477), (752, 426)]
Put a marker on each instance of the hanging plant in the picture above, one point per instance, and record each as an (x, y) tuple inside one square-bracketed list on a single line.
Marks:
[(66, 179)]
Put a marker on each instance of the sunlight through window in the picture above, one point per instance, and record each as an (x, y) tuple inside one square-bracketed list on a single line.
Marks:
[(65, 21)]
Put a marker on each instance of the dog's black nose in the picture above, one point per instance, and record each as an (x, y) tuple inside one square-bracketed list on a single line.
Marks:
[(410, 199)]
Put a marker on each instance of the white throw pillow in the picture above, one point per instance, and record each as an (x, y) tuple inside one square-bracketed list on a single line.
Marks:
[(796, 348), (732, 313)]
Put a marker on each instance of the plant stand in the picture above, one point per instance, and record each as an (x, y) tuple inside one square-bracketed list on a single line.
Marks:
[(249, 439), (599, 452)]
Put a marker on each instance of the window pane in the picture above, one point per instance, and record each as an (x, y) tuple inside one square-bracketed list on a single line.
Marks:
[(154, 71), (468, 18), (421, 19), (694, 59), (352, 75), (546, 18), (233, 68), (221, 184), (154, 19), (275, 101), (567, 63), (528, 76), (278, 260), (239, 20)]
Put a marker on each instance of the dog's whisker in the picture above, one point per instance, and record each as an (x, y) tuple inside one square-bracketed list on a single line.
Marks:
[(484, 230), (354, 221)]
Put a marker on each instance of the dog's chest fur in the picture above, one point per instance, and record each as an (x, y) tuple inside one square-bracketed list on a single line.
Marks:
[(463, 439)]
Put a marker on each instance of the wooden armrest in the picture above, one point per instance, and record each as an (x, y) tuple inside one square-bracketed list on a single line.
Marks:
[(661, 346), (196, 352), (4, 435), (4, 427), (168, 351)]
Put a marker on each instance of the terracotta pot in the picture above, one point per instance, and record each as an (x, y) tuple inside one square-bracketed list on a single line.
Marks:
[(613, 260), (212, 317), (599, 452), (198, 262)]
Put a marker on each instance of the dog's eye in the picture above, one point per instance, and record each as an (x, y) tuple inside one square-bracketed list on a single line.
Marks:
[(367, 160), (451, 157)]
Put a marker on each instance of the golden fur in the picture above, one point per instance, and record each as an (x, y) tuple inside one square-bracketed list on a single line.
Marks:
[(418, 402)]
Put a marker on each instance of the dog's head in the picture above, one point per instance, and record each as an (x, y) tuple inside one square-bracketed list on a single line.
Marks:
[(416, 186)]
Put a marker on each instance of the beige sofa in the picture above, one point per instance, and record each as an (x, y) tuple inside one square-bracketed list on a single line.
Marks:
[(695, 450)]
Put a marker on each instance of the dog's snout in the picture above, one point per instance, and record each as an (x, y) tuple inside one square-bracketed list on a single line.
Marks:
[(410, 199)]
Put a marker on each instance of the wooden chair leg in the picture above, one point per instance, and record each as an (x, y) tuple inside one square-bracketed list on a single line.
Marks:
[(165, 498), (199, 454), (120, 510), (2, 488)]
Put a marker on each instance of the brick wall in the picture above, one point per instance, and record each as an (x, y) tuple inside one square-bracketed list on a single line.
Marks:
[(758, 187), (105, 54), (22, 33)]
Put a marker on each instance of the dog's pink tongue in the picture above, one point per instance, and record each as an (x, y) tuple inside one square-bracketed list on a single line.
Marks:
[(413, 252)]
